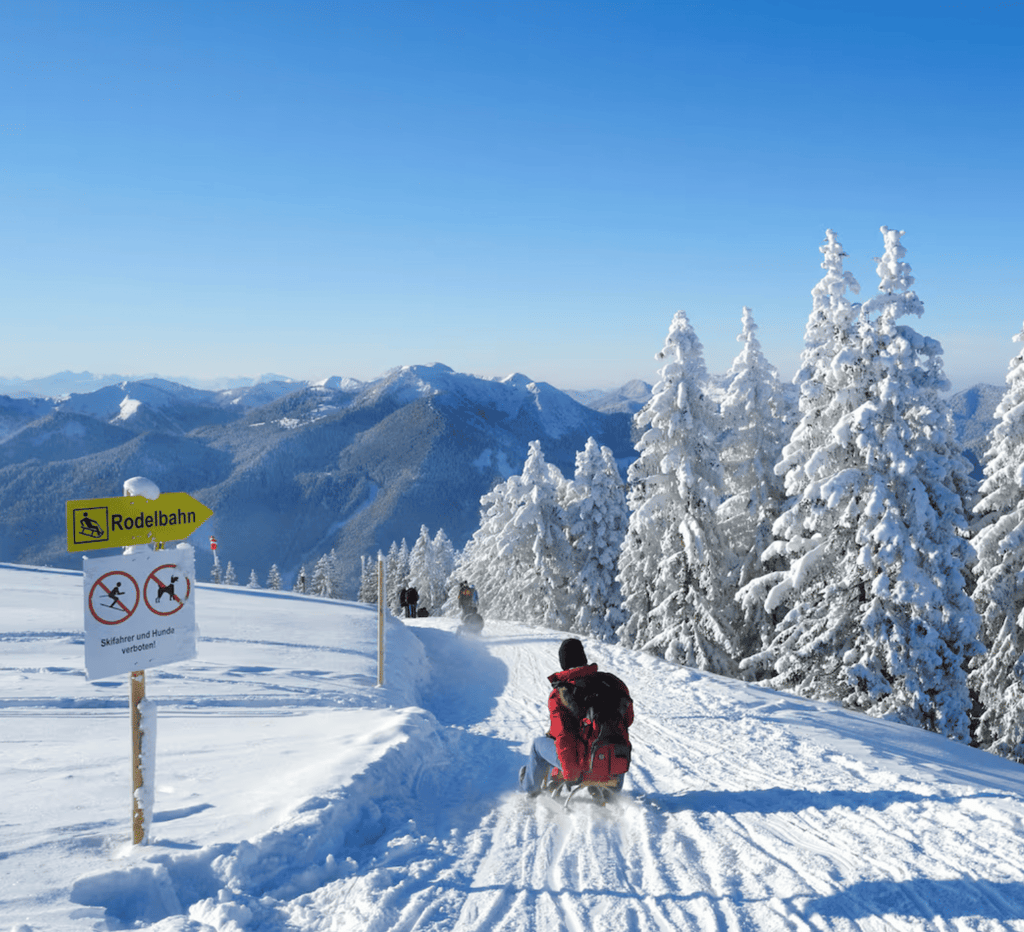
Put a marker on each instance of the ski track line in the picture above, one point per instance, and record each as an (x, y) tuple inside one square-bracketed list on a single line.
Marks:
[(712, 841), (811, 831)]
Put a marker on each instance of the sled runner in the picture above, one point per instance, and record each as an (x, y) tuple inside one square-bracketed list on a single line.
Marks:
[(599, 792)]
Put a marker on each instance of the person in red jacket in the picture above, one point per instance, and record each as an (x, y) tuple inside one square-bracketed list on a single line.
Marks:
[(563, 746)]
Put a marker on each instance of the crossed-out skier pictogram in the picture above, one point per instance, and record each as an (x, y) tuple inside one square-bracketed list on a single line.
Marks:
[(161, 585), (114, 597)]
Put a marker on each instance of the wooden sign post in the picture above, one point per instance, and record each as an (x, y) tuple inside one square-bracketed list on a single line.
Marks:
[(380, 619), (138, 684), (138, 607)]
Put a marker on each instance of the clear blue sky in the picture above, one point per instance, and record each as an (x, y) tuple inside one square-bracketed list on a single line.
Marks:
[(315, 188)]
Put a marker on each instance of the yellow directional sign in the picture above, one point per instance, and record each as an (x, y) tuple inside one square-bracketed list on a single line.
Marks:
[(120, 522)]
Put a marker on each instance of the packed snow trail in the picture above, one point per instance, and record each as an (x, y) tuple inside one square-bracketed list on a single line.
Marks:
[(736, 818), (292, 793)]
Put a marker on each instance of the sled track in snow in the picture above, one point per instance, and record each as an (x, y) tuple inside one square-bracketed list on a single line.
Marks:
[(703, 840)]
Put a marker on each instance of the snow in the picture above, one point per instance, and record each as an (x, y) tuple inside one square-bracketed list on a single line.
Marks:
[(292, 792), (140, 485), (494, 459), (129, 407)]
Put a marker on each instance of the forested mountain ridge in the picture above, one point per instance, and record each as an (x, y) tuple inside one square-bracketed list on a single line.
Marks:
[(290, 471)]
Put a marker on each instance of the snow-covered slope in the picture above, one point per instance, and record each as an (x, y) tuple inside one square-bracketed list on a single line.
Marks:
[(293, 793)]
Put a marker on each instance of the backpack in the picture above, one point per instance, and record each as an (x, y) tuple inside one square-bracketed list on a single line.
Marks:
[(599, 704)]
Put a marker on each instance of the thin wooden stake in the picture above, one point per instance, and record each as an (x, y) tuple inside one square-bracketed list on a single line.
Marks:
[(138, 685), (380, 620)]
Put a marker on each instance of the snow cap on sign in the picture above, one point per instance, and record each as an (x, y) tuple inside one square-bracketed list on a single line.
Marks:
[(140, 485)]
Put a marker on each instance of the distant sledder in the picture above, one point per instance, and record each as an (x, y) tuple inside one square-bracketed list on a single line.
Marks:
[(472, 622), (587, 745)]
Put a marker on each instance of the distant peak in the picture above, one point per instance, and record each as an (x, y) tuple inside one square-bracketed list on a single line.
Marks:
[(517, 380), (339, 383)]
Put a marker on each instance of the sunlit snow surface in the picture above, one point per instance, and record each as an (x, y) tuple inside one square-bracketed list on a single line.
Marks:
[(294, 793)]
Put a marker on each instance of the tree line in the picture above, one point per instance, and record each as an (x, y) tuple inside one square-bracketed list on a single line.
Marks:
[(834, 545)]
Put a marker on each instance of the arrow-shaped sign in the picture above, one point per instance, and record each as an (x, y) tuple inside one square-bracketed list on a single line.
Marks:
[(121, 522)]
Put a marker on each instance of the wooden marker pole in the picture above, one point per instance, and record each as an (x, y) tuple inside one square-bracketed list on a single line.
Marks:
[(380, 619), (138, 694), (138, 684)]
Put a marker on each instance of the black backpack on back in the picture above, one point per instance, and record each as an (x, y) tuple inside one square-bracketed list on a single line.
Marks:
[(600, 704)]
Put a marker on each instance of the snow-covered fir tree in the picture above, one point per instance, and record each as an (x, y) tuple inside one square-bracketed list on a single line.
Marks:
[(444, 555), (322, 583), (754, 418), (337, 574), (253, 582), (519, 559), (878, 617), (427, 574), (396, 572), (597, 516), (274, 578), (675, 564), (368, 580), (230, 579), (998, 677), (922, 627), (301, 580), (830, 387)]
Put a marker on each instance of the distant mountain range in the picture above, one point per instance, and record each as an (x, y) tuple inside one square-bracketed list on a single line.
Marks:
[(62, 384), (295, 469), (291, 470)]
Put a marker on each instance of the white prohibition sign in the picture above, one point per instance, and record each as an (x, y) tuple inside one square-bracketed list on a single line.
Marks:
[(164, 586), (106, 604)]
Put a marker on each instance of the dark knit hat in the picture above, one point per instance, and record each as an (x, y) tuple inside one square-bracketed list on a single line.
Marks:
[(571, 654)]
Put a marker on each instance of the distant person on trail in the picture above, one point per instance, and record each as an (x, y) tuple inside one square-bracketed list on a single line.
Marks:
[(411, 598), (468, 600), (565, 746), (403, 601)]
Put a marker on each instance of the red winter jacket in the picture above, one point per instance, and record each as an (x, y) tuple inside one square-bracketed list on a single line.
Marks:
[(564, 726)]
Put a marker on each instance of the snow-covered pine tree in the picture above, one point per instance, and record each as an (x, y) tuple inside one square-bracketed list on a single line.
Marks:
[(253, 582), (998, 677), (875, 536), (426, 573), (322, 583), (274, 577), (675, 565), (368, 580), (801, 656), (230, 579), (597, 515), (444, 555), (396, 572), (754, 419), (921, 627), (519, 559), (301, 583), (334, 562)]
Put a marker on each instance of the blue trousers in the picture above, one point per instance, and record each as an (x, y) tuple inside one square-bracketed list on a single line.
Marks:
[(543, 756)]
